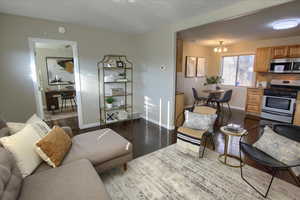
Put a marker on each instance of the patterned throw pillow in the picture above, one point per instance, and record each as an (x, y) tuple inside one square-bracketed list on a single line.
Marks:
[(199, 121), (39, 125), (279, 147)]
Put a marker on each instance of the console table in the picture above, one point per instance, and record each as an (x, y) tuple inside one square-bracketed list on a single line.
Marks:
[(52, 96)]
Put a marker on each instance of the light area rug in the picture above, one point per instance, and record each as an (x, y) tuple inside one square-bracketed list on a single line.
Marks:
[(176, 173)]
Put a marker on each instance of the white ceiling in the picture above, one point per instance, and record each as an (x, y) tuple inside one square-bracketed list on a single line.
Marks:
[(256, 26), (117, 15)]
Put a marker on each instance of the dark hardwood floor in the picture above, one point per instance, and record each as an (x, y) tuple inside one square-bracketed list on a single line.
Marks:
[(147, 137)]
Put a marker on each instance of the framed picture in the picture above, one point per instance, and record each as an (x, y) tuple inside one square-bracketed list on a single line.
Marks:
[(201, 67), (60, 70), (190, 66)]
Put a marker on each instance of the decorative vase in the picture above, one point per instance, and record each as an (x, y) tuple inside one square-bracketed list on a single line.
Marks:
[(212, 86), (109, 105)]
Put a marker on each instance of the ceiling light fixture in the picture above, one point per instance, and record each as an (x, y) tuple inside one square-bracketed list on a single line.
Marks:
[(220, 48), (285, 24)]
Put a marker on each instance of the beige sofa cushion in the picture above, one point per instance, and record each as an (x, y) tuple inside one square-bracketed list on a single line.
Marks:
[(98, 147), (53, 147), (74, 181)]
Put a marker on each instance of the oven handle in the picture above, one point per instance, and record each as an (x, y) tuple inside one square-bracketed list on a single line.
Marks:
[(276, 113), (266, 96)]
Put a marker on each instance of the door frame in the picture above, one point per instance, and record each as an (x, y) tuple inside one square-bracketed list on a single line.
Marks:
[(36, 78)]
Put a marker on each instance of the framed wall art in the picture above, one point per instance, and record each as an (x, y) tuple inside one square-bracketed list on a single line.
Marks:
[(201, 67), (190, 66)]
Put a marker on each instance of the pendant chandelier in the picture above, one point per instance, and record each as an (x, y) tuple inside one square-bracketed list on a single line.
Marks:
[(220, 48)]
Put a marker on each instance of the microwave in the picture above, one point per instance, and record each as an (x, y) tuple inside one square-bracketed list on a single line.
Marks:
[(281, 65), (296, 65)]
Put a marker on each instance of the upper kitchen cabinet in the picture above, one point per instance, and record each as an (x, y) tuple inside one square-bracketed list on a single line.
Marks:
[(262, 59), (294, 51), (280, 52)]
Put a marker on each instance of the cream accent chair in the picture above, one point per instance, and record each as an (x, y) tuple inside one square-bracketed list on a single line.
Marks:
[(193, 136)]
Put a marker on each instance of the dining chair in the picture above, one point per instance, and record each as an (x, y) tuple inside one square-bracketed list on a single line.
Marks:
[(198, 99), (68, 96), (224, 100)]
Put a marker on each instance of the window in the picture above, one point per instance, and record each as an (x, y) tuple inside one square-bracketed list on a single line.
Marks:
[(237, 70)]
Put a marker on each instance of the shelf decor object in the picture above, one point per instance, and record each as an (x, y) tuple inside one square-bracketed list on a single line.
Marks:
[(115, 76)]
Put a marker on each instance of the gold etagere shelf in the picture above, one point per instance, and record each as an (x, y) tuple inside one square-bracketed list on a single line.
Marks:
[(115, 76)]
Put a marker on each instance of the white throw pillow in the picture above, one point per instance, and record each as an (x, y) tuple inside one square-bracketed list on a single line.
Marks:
[(39, 125), (15, 127), (279, 147), (22, 146), (199, 121)]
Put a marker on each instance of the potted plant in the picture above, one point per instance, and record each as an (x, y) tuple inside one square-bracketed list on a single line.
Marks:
[(109, 102), (213, 82)]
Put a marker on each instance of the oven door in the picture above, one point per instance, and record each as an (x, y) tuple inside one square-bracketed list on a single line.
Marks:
[(278, 104)]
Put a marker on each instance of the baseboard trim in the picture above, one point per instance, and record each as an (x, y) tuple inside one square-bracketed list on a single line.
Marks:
[(135, 115), (90, 125), (157, 123)]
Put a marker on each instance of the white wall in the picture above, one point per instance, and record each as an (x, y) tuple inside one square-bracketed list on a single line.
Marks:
[(149, 51), (15, 76)]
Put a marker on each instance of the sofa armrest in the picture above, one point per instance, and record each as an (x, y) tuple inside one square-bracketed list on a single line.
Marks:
[(68, 130)]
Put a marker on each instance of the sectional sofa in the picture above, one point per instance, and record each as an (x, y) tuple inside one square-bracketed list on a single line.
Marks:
[(77, 178)]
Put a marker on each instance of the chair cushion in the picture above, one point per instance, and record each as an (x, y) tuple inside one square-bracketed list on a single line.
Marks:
[(76, 181), (98, 147), (10, 176), (279, 147), (261, 157), (4, 131), (196, 134)]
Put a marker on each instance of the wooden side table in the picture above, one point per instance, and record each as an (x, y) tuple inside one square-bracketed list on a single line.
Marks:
[(223, 157)]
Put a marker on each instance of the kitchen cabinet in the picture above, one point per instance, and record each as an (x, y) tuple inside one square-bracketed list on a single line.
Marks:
[(254, 100), (179, 108), (280, 52), (294, 51), (262, 59)]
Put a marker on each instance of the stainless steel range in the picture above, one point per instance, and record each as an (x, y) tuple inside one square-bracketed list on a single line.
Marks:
[(279, 100)]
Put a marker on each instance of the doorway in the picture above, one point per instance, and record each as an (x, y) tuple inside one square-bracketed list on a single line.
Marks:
[(55, 75)]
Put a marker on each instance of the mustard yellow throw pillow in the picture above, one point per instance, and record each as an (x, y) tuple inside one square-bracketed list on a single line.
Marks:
[(54, 146)]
